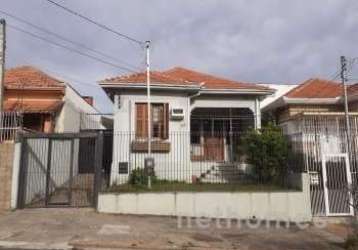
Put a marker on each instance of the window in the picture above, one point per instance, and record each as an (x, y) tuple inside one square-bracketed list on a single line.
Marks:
[(159, 120)]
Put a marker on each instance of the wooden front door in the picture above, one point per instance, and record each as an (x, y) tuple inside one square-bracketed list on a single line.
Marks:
[(214, 148)]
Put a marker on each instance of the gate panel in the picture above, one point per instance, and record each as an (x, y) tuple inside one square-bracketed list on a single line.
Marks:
[(337, 179), (59, 170)]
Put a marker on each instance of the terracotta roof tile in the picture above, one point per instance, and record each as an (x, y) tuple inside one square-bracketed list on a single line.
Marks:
[(316, 88), (353, 89), (210, 81), (156, 78), (182, 76), (30, 77)]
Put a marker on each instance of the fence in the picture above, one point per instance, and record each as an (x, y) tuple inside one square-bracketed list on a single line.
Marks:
[(10, 123), (210, 160), (324, 150)]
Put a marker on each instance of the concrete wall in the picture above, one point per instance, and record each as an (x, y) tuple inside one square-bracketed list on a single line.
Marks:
[(6, 167), (69, 119), (284, 205)]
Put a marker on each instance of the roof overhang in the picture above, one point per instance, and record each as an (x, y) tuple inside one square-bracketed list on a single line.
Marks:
[(238, 91), (283, 101), (154, 86), (191, 88)]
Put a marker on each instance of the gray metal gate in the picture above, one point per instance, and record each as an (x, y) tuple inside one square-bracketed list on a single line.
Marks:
[(60, 169)]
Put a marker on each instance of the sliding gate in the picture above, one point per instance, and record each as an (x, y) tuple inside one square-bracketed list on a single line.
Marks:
[(60, 169)]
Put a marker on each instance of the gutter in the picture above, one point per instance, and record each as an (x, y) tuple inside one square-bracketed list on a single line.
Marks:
[(189, 87), (152, 86), (282, 101)]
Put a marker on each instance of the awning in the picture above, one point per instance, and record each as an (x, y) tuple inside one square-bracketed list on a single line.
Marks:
[(33, 106)]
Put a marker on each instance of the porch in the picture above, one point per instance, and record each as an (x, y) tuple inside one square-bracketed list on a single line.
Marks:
[(216, 133)]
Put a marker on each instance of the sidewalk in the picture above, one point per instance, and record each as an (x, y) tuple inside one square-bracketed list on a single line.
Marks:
[(86, 229)]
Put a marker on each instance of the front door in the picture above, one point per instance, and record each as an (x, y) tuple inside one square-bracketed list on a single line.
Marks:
[(337, 181), (214, 148)]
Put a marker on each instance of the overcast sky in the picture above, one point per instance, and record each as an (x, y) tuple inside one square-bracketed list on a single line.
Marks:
[(275, 41)]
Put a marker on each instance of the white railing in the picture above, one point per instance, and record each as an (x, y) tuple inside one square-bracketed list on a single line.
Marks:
[(10, 123)]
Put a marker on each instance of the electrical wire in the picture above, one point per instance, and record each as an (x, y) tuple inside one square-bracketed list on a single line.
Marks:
[(67, 40), (72, 49), (95, 22)]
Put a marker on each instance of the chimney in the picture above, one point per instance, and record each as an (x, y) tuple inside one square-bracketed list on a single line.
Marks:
[(88, 99)]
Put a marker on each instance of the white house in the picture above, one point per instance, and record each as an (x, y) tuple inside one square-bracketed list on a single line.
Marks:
[(77, 113), (195, 119)]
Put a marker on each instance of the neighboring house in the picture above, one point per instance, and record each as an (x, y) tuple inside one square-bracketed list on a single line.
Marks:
[(281, 89), (312, 96), (194, 118), (45, 103), (313, 118), (36, 95)]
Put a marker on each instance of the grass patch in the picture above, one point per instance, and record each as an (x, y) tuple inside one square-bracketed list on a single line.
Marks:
[(175, 186)]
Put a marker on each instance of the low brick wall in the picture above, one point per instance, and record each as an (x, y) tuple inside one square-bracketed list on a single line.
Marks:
[(6, 164)]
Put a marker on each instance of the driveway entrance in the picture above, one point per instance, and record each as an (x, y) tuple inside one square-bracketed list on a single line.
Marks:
[(60, 169)]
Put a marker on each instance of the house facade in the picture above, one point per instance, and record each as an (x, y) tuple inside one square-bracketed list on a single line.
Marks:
[(44, 103), (194, 117)]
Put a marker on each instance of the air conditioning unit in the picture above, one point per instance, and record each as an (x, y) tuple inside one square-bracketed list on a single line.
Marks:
[(177, 114)]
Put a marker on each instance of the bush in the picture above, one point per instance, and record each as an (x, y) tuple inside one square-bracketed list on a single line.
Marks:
[(267, 151), (139, 177)]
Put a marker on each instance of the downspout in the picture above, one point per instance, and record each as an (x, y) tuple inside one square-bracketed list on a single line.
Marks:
[(193, 96)]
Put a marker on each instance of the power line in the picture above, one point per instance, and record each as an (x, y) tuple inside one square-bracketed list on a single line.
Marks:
[(95, 22), (71, 49), (67, 40)]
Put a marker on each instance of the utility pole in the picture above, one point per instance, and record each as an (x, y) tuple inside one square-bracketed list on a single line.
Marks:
[(148, 100), (149, 162), (346, 110), (2, 62)]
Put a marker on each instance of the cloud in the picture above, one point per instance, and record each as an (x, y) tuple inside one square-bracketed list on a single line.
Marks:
[(257, 41)]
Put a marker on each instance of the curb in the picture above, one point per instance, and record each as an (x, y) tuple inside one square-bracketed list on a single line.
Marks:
[(34, 245)]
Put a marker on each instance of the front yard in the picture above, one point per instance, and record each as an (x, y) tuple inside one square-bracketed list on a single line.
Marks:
[(172, 186)]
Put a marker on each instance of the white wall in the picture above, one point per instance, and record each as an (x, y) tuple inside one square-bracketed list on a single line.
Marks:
[(281, 89), (124, 129), (280, 205), (69, 119)]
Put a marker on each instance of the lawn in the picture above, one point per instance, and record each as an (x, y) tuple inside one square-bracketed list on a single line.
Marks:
[(171, 186)]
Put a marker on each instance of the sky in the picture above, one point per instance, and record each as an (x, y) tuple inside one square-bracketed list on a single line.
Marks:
[(276, 41)]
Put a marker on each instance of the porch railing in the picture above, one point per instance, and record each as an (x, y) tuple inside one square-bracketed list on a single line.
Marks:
[(10, 123)]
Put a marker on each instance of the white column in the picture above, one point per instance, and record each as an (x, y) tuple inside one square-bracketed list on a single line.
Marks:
[(257, 114)]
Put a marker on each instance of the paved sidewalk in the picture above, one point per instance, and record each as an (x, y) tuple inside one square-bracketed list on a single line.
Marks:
[(86, 229)]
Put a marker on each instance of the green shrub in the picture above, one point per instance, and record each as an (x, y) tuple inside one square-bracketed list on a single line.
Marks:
[(139, 177), (267, 151)]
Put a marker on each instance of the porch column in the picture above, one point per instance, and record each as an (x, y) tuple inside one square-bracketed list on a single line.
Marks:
[(257, 114)]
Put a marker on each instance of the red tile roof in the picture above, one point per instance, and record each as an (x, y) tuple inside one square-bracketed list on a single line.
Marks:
[(182, 76), (353, 89), (29, 77), (316, 88), (210, 81), (155, 78)]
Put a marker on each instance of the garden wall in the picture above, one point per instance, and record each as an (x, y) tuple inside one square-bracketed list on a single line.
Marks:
[(281, 205), (6, 163)]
